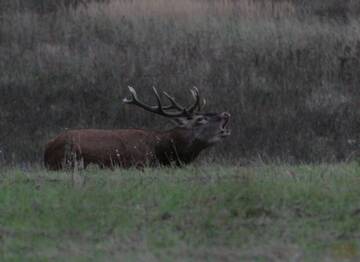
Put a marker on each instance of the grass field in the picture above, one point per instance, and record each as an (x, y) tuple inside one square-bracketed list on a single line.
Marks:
[(200, 213)]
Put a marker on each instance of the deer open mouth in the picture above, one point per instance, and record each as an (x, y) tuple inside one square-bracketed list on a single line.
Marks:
[(224, 130), (225, 123)]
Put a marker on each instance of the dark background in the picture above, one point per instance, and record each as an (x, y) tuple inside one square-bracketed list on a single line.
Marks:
[(288, 71)]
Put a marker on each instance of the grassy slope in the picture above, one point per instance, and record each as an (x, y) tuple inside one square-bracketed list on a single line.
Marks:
[(197, 213)]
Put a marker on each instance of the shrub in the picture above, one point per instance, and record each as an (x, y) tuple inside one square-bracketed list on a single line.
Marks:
[(289, 79)]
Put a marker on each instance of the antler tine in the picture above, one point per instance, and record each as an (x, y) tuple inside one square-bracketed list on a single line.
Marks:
[(133, 96), (159, 109), (174, 104), (135, 101), (203, 104), (196, 105), (158, 100)]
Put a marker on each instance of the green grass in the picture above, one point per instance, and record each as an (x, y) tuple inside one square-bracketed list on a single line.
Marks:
[(210, 213)]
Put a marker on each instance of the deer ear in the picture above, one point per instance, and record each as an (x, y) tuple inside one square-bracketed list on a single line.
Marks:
[(181, 121)]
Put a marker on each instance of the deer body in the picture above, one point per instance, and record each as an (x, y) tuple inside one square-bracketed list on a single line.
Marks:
[(140, 147), (123, 148)]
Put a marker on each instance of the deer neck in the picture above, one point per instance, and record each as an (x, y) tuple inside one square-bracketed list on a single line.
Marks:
[(180, 144)]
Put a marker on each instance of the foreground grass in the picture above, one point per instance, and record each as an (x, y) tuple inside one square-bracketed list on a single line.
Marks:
[(197, 213)]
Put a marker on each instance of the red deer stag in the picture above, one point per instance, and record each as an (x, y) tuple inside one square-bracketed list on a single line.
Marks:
[(126, 148)]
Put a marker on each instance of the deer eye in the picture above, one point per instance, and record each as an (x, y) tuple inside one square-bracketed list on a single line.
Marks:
[(201, 120)]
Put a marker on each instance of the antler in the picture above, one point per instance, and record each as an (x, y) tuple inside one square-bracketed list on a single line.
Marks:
[(196, 105), (172, 110)]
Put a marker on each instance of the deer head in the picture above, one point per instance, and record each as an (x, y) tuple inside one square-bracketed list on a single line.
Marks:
[(205, 128)]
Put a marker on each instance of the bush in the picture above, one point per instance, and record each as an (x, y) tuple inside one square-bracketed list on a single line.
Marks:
[(289, 79)]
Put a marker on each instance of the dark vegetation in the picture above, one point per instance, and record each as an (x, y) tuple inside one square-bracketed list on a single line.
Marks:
[(288, 71)]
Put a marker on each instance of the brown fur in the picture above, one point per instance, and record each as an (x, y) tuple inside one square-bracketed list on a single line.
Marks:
[(123, 148)]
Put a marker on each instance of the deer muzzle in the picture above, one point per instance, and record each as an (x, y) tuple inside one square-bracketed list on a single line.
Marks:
[(224, 130)]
